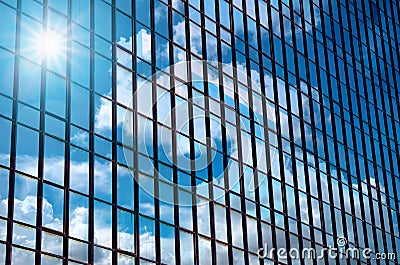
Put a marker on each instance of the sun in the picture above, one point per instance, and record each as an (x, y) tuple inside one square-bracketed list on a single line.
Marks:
[(51, 45)]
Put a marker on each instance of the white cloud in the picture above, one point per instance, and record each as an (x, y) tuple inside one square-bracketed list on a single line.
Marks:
[(143, 44), (25, 210), (127, 44), (179, 33), (80, 139), (27, 163), (103, 119)]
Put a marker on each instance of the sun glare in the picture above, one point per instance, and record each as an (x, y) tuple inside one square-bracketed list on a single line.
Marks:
[(51, 45)]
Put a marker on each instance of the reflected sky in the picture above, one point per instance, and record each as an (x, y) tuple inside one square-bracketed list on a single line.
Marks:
[(53, 44)]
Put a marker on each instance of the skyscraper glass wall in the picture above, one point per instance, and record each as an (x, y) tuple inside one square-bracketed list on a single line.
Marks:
[(199, 132)]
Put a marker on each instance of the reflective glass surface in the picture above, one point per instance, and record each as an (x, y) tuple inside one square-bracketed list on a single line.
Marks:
[(250, 124)]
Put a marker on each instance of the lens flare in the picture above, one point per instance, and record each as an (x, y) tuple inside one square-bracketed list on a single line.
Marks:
[(51, 45)]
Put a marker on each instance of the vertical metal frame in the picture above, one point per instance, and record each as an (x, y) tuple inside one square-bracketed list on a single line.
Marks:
[(91, 138), (67, 143), (43, 76), (11, 184)]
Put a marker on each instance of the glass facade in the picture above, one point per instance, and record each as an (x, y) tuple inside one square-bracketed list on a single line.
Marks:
[(198, 132)]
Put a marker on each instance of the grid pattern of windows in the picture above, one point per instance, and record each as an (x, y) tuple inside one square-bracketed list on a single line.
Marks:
[(328, 70)]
